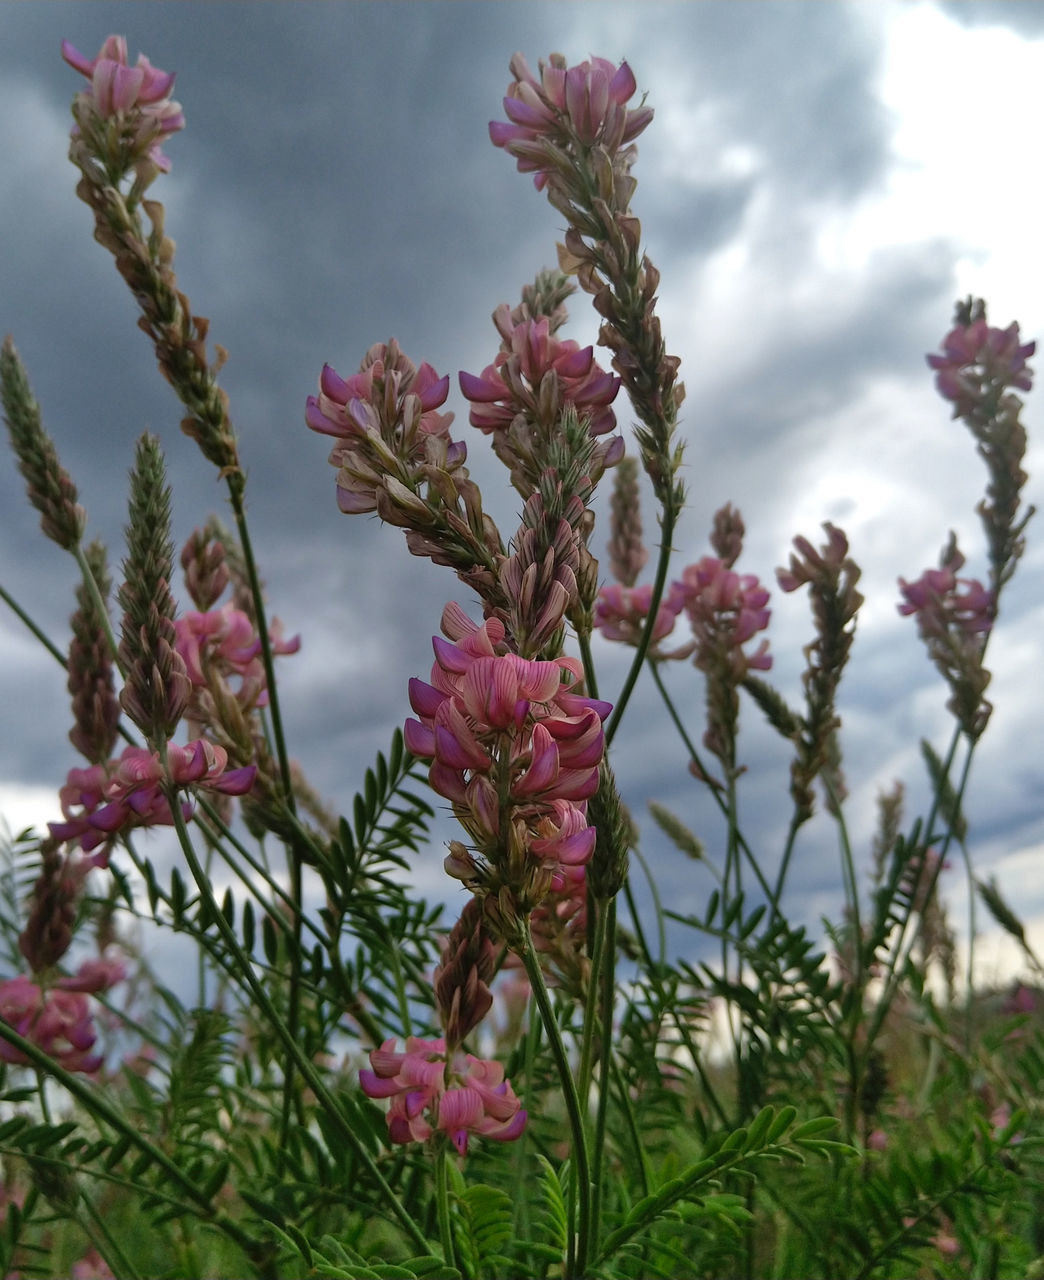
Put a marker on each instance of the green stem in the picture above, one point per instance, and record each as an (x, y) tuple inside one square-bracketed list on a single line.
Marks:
[(442, 1200), (597, 955), (583, 640), (662, 565), (576, 1263), (771, 896), (607, 989), (294, 1050), (24, 618), (118, 1262)]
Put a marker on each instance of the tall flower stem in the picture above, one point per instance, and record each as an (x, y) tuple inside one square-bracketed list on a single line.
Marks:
[(31, 626), (295, 1052), (771, 895), (659, 582), (236, 484), (99, 604), (580, 1243), (442, 1202)]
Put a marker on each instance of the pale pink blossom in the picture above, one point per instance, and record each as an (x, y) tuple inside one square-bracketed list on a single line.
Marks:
[(566, 106), (384, 419), (100, 802), (620, 612), (943, 602), (137, 95), (726, 610), (975, 355), (224, 641), (531, 353), (57, 1020), (514, 749), (459, 1097)]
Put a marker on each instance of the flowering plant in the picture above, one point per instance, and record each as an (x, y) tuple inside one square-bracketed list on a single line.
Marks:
[(529, 1086)]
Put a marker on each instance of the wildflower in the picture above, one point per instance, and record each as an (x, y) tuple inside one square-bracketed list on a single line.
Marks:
[(435, 1091), (584, 104), (385, 416), (726, 609), (516, 751), (224, 641), (976, 357), (136, 99), (977, 372), (831, 576), (620, 612), (48, 932), (156, 688), (57, 1020), (954, 617), (104, 800), (942, 602), (49, 487), (514, 383), (627, 552), (96, 709)]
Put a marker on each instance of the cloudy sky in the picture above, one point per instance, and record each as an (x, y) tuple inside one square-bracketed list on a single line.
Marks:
[(820, 182)]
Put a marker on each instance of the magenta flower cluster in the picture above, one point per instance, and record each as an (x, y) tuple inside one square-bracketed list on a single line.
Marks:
[(531, 353), (585, 103), (620, 612), (383, 417), (57, 1019), (725, 610), (225, 642), (977, 355), (430, 1091), (942, 602), (515, 751), (138, 94), (102, 801)]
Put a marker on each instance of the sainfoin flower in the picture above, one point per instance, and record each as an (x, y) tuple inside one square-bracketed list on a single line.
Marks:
[(620, 612), (460, 1096), (223, 641), (385, 419), (514, 749), (585, 103), (940, 600), (100, 802), (513, 384), (976, 354), (57, 1019), (726, 609), (120, 90)]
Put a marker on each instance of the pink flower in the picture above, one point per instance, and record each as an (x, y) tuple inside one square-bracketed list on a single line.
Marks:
[(384, 417), (726, 609), (975, 355), (620, 612), (92, 1266), (512, 384), (136, 95), (57, 1021), (459, 1097), (104, 800), (96, 974), (942, 602), (514, 749), (582, 105), (223, 641)]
